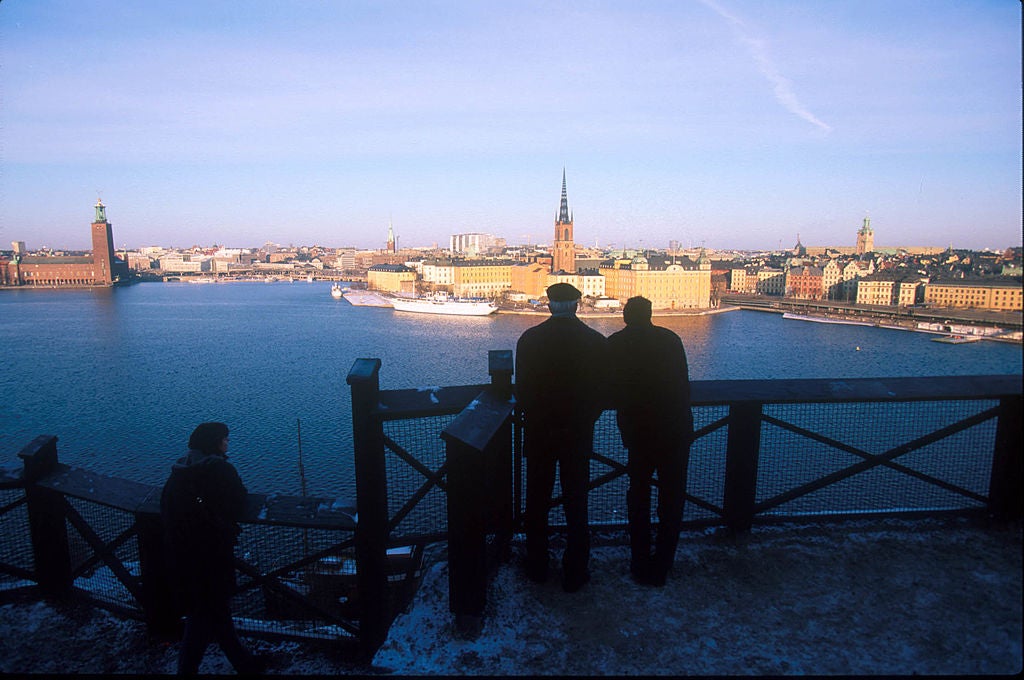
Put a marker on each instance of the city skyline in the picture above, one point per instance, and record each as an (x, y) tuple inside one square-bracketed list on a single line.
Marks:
[(722, 123)]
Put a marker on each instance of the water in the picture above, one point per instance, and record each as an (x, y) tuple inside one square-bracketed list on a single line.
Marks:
[(122, 376)]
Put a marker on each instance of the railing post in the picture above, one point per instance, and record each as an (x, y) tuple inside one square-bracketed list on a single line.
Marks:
[(1006, 490), (741, 458), (467, 537), (478, 447), (371, 504), (160, 602), (500, 367), (46, 518), (500, 459)]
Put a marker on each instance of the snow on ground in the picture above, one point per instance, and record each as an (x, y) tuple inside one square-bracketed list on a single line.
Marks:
[(890, 597)]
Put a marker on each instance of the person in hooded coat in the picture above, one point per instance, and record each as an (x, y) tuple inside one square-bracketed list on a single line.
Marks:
[(200, 507)]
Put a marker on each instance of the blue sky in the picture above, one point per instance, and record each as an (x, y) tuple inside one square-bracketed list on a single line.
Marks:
[(727, 123)]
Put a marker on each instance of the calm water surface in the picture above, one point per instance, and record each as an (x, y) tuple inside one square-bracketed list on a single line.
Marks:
[(122, 376)]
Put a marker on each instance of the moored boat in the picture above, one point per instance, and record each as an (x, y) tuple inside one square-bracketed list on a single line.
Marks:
[(957, 339), (440, 303), (822, 319), (336, 292)]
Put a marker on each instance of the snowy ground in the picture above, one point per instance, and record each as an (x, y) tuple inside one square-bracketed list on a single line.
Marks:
[(882, 597)]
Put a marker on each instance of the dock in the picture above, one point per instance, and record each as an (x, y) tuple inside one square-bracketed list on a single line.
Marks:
[(365, 298)]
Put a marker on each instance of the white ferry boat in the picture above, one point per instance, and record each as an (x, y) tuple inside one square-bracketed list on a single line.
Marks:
[(336, 292), (440, 303), (822, 319)]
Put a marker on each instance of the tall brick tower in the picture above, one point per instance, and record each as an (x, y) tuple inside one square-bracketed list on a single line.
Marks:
[(102, 247), (563, 255), (866, 238)]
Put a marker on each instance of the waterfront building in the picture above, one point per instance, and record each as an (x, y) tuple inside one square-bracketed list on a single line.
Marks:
[(669, 283), (101, 268), (529, 278), (832, 279), (804, 283), (876, 289), (889, 289), (909, 292), (481, 278), (996, 294), (591, 283), (391, 278), (139, 261), (185, 263), (854, 269), (438, 272), (771, 281), (563, 251), (741, 280), (281, 256), (737, 279), (865, 238)]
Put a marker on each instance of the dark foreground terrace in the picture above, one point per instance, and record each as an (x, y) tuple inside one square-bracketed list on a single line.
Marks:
[(864, 597), (832, 527)]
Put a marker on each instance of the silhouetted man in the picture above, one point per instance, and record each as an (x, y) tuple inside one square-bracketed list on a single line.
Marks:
[(651, 393), (558, 391)]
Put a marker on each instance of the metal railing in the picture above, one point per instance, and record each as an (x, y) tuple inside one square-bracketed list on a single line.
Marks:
[(445, 463), (763, 451)]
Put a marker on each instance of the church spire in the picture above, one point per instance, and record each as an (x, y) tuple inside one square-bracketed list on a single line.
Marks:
[(563, 209), (563, 255), (391, 238)]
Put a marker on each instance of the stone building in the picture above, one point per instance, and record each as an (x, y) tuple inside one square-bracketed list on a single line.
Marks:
[(805, 283), (101, 268), (996, 294), (391, 278), (669, 283)]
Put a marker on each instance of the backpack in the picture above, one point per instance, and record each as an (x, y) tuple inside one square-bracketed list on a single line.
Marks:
[(188, 518)]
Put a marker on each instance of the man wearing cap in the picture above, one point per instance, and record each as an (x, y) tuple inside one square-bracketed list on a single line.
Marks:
[(559, 393), (650, 388)]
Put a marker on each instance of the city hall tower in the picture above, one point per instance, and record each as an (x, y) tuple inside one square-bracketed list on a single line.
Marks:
[(102, 247)]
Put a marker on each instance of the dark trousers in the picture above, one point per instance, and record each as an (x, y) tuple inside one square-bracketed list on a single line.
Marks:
[(670, 463), (209, 620), (571, 455)]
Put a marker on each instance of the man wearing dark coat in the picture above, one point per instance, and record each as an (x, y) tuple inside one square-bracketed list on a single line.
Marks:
[(559, 393), (650, 388), (200, 507)]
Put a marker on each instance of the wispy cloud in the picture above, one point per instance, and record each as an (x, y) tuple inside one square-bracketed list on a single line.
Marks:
[(781, 85)]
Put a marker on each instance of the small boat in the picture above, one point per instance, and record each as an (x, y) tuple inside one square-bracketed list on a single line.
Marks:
[(336, 292), (442, 303), (822, 319), (957, 339)]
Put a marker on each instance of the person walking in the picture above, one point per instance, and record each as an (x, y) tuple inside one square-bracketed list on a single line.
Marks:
[(650, 388), (559, 393), (200, 506)]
